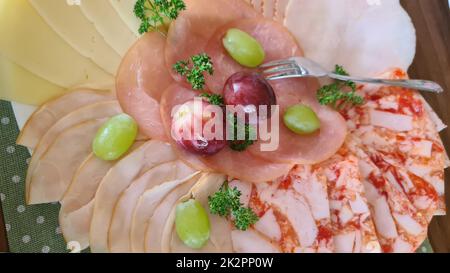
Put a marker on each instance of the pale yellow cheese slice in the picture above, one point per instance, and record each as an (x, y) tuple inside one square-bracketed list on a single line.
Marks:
[(125, 9), (109, 24), (28, 41), (19, 85), (70, 23)]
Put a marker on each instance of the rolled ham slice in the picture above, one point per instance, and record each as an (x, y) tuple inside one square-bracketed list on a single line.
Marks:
[(304, 149), (189, 34), (241, 165), (140, 81), (275, 39)]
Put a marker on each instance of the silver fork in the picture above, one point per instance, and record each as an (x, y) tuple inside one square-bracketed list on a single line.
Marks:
[(299, 67)]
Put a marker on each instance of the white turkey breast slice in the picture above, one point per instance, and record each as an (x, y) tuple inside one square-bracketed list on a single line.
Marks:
[(156, 224), (366, 37), (117, 180), (120, 228), (77, 203), (100, 110), (52, 111), (220, 229), (54, 171), (143, 212)]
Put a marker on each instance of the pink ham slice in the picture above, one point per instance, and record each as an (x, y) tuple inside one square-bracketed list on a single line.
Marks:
[(304, 149), (189, 34), (276, 40), (240, 165), (141, 79)]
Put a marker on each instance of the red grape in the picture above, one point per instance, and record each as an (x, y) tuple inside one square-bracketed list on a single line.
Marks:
[(247, 89), (200, 142)]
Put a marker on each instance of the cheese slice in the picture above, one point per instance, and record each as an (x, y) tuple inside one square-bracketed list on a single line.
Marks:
[(19, 85), (70, 23), (28, 41), (108, 23), (125, 9)]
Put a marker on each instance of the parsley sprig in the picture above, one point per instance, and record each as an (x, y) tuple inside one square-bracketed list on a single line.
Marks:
[(213, 99), (153, 13), (334, 94), (226, 202), (194, 70), (240, 145)]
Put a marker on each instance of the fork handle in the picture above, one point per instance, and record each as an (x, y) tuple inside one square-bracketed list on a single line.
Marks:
[(412, 84)]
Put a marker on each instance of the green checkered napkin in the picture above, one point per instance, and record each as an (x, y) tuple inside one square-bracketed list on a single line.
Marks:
[(31, 228)]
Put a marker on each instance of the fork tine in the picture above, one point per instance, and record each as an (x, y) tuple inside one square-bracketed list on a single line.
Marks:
[(282, 75), (279, 68), (277, 63)]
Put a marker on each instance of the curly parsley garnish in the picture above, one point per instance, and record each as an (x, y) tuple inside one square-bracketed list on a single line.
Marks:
[(153, 13), (213, 99), (237, 144), (194, 72), (226, 202), (334, 95)]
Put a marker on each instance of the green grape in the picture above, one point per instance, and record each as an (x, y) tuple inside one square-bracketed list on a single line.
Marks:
[(192, 224), (301, 120), (115, 137), (243, 48)]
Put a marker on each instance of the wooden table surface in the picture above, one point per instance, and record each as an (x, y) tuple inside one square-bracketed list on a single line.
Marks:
[(432, 21)]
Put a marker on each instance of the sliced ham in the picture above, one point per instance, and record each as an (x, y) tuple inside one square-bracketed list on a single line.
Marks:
[(275, 39), (140, 81), (50, 112), (119, 231), (241, 165), (304, 149), (189, 34)]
